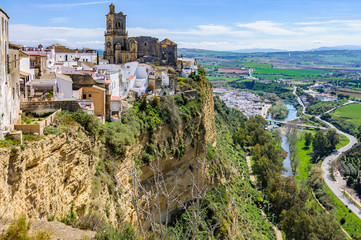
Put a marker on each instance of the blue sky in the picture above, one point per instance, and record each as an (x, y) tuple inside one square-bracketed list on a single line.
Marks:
[(206, 24)]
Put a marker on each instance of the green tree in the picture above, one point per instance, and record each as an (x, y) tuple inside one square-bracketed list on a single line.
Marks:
[(308, 139), (333, 138), (320, 145)]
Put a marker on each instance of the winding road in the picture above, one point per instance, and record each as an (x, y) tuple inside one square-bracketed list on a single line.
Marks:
[(326, 164)]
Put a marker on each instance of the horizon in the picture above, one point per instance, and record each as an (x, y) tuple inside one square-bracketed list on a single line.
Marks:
[(218, 26)]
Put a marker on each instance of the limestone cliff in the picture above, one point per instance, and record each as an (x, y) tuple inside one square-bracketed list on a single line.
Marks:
[(46, 178)]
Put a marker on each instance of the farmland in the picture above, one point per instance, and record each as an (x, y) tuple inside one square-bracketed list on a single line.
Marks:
[(352, 112), (296, 74)]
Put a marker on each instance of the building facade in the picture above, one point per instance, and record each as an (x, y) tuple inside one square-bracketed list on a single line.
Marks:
[(9, 78), (119, 48)]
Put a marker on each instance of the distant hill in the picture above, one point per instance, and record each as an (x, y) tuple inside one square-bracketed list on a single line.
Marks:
[(259, 50), (345, 47)]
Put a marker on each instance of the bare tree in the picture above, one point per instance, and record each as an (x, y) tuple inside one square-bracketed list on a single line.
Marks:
[(155, 198)]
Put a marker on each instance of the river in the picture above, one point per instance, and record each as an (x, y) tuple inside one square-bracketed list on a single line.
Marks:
[(292, 114)]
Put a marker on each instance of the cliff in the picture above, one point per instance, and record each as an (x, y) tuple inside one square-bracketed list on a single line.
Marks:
[(73, 171)]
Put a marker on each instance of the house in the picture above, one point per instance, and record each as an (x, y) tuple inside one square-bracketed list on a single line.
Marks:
[(185, 66), (54, 86), (122, 77), (162, 81), (98, 96), (40, 59), (62, 53), (9, 79), (87, 55)]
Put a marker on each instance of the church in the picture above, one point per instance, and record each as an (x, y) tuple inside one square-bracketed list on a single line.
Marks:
[(119, 48)]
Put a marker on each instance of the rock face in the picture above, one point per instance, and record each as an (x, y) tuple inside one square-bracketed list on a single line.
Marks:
[(47, 177)]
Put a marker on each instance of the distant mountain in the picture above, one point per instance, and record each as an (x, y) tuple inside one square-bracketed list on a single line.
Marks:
[(345, 47), (259, 50)]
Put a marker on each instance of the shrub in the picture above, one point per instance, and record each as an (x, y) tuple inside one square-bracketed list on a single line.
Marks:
[(108, 232), (19, 229), (89, 122), (90, 221), (52, 130)]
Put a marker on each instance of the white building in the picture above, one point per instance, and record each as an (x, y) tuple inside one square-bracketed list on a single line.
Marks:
[(64, 54), (61, 86), (187, 66), (123, 78), (9, 79)]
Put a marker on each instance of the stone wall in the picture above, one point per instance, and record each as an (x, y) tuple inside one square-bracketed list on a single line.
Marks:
[(37, 127), (41, 108)]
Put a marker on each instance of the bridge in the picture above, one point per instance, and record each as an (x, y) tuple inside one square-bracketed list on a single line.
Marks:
[(297, 125)]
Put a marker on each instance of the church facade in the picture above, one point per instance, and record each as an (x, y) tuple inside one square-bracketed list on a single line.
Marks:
[(119, 48)]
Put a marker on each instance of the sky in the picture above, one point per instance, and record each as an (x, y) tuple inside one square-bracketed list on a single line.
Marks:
[(204, 24)]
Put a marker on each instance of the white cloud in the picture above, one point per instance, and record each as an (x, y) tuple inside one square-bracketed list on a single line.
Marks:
[(268, 27), (69, 4), (313, 29), (318, 42)]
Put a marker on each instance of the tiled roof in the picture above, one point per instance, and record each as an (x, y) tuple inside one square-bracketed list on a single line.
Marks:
[(56, 75), (116, 98), (61, 48)]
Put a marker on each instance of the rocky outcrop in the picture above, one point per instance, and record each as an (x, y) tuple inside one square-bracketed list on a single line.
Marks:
[(46, 177)]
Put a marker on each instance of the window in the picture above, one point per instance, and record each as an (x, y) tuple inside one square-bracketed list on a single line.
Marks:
[(84, 96), (90, 95), (14, 61)]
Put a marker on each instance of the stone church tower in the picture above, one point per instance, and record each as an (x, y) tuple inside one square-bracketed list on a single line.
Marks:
[(118, 48)]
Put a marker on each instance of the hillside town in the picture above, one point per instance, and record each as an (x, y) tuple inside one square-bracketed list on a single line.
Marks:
[(42, 80), (246, 102)]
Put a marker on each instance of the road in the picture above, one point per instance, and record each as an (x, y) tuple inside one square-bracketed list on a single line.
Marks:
[(335, 186)]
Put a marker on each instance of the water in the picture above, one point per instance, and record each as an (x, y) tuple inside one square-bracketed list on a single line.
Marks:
[(287, 161), (292, 114)]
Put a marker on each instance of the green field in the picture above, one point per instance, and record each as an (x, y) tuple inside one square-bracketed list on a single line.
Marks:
[(305, 155), (352, 111), (353, 223), (275, 73), (248, 64), (304, 159)]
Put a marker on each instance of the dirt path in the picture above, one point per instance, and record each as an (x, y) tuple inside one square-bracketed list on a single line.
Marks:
[(58, 231), (254, 181)]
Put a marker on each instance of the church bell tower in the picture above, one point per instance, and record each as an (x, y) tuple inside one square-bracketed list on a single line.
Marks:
[(116, 36)]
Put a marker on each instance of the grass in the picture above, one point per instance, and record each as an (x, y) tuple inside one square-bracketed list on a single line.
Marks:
[(353, 223), (343, 142), (305, 155), (275, 73), (248, 64), (352, 111), (351, 200), (304, 158)]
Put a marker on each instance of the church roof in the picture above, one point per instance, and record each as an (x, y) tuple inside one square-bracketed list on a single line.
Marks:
[(4, 12), (168, 42)]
